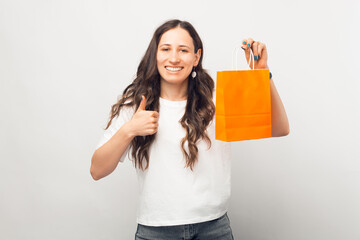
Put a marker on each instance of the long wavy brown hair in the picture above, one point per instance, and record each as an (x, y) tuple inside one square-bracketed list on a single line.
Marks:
[(200, 108)]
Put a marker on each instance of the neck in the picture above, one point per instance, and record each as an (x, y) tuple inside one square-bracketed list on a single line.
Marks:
[(173, 91)]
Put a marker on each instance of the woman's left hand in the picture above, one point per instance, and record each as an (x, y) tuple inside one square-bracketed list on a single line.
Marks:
[(259, 51)]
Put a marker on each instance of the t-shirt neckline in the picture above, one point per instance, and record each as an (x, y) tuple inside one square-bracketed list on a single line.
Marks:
[(166, 102)]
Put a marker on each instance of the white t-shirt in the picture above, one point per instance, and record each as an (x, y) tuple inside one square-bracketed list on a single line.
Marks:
[(169, 193)]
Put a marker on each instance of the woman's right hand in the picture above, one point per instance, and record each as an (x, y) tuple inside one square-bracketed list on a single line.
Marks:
[(143, 122)]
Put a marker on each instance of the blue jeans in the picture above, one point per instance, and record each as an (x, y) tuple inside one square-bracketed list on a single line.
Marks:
[(217, 229)]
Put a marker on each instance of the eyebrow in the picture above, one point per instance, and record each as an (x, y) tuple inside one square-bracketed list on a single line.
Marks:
[(167, 44)]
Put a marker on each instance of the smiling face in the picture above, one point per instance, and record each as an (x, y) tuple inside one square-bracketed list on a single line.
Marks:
[(176, 56)]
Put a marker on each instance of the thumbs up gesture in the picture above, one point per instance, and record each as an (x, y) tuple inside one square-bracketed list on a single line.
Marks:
[(143, 122)]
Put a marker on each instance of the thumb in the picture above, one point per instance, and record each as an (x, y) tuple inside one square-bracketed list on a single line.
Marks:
[(142, 104)]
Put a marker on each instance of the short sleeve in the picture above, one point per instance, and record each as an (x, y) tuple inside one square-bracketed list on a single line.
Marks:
[(124, 116)]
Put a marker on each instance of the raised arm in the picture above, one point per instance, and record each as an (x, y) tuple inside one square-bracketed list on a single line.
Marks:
[(279, 120)]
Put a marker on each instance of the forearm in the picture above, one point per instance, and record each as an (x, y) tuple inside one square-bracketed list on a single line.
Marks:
[(279, 120), (106, 158)]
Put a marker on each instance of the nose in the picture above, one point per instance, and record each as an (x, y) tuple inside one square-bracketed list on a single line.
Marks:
[(174, 58)]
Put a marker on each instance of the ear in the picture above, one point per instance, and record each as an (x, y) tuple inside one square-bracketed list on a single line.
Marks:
[(197, 57)]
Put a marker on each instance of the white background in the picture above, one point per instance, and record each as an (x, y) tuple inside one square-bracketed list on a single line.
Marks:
[(63, 64)]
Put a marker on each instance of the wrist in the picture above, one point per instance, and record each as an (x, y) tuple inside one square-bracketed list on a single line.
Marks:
[(128, 131)]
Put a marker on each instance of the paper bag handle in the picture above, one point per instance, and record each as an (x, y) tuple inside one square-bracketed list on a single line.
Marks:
[(235, 52)]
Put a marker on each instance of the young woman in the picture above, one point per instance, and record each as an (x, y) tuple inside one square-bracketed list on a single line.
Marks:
[(165, 121)]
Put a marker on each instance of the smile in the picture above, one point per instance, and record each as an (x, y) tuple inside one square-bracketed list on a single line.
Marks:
[(174, 69)]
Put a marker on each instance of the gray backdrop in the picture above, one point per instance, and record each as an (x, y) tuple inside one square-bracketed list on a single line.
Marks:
[(63, 63)]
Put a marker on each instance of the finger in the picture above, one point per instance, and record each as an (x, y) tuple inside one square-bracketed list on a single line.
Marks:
[(255, 50), (262, 51), (154, 114), (244, 44), (152, 131), (249, 43), (154, 120), (246, 48), (155, 127), (259, 50), (142, 104)]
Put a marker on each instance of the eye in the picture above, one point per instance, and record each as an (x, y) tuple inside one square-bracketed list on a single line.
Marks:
[(183, 50), (165, 49)]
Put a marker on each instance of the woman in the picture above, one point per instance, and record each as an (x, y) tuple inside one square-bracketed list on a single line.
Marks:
[(164, 119)]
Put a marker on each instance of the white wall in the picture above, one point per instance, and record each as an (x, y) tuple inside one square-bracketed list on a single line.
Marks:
[(63, 64)]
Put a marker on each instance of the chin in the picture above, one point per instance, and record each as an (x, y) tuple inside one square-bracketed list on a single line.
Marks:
[(174, 80)]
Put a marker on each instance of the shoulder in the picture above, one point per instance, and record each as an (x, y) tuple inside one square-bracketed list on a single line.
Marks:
[(126, 113)]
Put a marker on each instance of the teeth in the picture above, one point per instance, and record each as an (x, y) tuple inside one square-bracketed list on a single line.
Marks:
[(173, 69)]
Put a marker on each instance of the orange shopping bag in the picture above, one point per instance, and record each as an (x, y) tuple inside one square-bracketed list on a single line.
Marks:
[(243, 104)]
